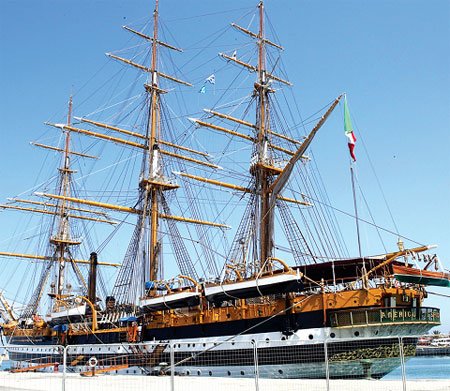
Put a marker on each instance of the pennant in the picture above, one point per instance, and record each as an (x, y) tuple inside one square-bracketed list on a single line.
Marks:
[(348, 128), (234, 55), (202, 90), (211, 79)]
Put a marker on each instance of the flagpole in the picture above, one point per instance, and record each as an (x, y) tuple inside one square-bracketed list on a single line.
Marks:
[(355, 205), (348, 128)]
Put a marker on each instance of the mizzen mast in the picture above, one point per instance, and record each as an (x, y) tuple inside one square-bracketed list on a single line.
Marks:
[(269, 173), (261, 170)]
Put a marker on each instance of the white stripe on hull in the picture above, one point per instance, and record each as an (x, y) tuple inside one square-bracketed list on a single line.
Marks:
[(313, 337)]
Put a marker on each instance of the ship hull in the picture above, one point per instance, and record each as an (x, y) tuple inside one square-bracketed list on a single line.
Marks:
[(367, 369), (301, 355)]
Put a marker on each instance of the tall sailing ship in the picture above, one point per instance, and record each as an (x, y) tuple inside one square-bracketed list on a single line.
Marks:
[(185, 203)]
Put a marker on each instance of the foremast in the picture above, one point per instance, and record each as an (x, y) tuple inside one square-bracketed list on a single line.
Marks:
[(59, 254), (62, 240)]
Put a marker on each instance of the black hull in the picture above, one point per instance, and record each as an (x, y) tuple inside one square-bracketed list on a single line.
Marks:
[(286, 324)]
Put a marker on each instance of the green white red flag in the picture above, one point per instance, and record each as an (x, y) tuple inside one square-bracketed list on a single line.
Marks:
[(348, 128)]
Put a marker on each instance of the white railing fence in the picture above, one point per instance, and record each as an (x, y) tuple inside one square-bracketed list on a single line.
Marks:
[(287, 365)]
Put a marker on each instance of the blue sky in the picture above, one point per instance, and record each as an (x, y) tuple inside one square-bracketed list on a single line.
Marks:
[(392, 58)]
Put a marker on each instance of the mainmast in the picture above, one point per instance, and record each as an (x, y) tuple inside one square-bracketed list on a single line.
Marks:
[(154, 181), (154, 154)]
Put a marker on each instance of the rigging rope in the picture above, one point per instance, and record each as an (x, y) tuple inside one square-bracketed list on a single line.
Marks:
[(364, 221)]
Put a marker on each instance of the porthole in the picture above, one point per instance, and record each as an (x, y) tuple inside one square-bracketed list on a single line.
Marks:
[(189, 345), (232, 343), (210, 373), (204, 344), (310, 336), (376, 332), (242, 373), (127, 371), (229, 373), (332, 335), (199, 373), (267, 340), (188, 373), (280, 371), (283, 338), (356, 333)]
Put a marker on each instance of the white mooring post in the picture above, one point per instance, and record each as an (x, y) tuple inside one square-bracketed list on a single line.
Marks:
[(327, 368), (172, 368), (402, 362), (255, 359), (64, 368)]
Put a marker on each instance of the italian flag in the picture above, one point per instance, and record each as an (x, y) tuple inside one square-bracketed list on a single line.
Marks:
[(348, 128)]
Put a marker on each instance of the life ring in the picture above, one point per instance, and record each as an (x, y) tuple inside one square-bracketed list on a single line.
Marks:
[(92, 362)]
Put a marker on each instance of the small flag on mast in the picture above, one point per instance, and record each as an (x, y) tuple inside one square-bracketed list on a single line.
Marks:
[(348, 128), (211, 79), (202, 90)]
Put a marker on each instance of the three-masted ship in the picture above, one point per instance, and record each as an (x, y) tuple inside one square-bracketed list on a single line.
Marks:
[(288, 308)]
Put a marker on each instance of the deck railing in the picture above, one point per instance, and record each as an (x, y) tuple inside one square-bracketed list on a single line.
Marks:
[(385, 315)]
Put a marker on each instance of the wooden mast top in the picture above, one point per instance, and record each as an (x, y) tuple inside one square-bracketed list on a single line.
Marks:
[(261, 75), (154, 75), (261, 51)]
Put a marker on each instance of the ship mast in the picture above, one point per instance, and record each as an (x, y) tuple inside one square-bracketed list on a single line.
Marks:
[(262, 172), (154, 154), (62, 239), (269, 178)]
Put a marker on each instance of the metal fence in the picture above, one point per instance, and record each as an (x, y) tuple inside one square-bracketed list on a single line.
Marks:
[(286, 365)]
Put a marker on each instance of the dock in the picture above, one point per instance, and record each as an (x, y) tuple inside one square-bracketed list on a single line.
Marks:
[(75, 382)]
